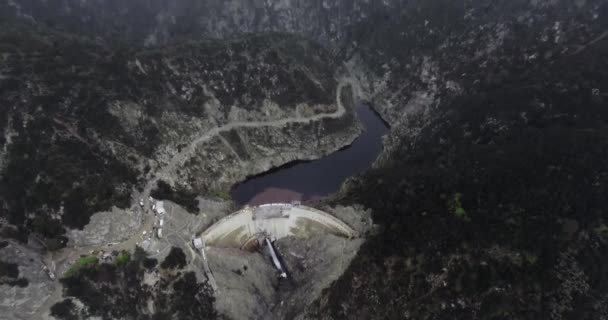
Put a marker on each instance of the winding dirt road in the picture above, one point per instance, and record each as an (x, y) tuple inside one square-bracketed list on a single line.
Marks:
[(187, 151)]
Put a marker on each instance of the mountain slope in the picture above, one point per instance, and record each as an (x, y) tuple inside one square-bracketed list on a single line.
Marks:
[(85, 123), (489, 196)]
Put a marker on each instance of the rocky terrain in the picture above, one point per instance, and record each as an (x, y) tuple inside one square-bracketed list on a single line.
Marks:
[(166, 278), (84, 124), (130, 290), (91, 126), (490, 192), (161, 22), (494, 171)]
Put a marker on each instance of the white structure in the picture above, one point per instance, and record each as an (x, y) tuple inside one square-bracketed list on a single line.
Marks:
[(277, 220), (275, 259), (49, 273), (197, 243), (160, 207)]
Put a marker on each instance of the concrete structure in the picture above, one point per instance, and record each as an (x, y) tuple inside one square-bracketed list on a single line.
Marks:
[(197, 243), (275, 259), (277, 220), (160, 207)]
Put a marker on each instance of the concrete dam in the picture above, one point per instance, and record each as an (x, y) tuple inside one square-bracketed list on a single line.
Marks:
[(245, 228)]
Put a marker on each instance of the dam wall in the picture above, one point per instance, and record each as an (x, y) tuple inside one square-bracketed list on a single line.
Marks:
[(277, 220)]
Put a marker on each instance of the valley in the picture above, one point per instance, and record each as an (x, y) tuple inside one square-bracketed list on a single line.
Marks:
[(131, 128)]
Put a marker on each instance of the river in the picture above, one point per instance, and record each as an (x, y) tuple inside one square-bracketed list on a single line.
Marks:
[(311, 180)]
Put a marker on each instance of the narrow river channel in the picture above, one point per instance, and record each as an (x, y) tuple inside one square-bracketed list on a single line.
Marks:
[(314, 179)]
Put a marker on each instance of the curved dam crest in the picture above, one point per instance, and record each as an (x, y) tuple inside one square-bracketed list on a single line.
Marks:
[(309, 180), (277, 220)]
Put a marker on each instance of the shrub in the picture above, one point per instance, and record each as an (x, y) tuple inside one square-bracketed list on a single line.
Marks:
[(456, 208), (81, 263), (149, 263), (176, 258), (222, 194), (123, 258), (9, 270), (602, 230), (64, 310)]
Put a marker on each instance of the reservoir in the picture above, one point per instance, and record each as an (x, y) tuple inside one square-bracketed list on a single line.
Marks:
[(311, 180)]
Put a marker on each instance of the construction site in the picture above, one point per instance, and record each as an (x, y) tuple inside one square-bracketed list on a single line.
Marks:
[(261, 261), (257, 228)]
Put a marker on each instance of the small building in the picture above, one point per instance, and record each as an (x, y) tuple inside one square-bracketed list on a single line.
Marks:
[(162, 222), (197, 243), (160, 207), (159, 233)]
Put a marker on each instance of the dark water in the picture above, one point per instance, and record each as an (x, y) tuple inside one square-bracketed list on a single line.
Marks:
[(318, 178)]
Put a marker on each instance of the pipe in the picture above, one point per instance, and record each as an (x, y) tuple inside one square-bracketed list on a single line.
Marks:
[(275, 259)]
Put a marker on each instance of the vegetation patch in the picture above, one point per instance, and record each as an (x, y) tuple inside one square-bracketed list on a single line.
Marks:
[(9, 275), (222, 194), (455, 207), (602, 230), (514, 155), (175, 259), (80, 264), (9, 270), (118, 291), (531, 258), (123, 258), (65, 310)]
